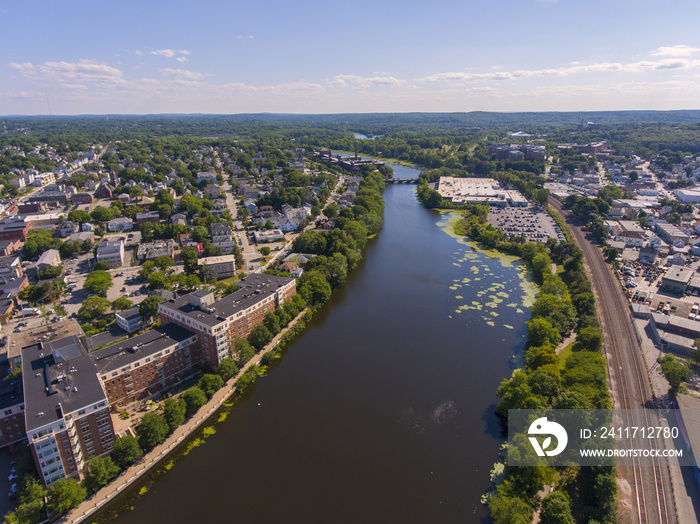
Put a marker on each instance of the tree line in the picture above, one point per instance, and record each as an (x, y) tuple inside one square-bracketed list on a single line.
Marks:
[(564, 304)]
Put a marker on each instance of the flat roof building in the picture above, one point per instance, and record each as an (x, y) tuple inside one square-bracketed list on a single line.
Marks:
[(271, 235), (676, 279), (12, 429), (217, 323), (112, 252), (219, 267), (66, 410), (129, 320), (478, 191), (139, 367)]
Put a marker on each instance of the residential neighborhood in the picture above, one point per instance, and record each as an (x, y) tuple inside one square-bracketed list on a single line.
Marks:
[(108, 265)]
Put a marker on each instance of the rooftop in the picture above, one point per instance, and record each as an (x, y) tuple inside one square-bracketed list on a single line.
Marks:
[(136, 348), (679, 274), (217, 260), (254, 288), (59, 378), (11, 392), (130, 314), (57, 330)]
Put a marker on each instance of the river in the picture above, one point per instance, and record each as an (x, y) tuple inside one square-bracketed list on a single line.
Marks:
[(382, 410)]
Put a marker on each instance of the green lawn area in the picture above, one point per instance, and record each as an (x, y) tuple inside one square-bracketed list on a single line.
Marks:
[(565, 354)]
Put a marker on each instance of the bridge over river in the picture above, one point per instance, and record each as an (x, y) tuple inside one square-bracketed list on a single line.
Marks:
[(401, 180)]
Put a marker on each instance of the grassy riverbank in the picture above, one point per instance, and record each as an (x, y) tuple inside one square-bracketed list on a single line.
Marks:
[(563, 305)]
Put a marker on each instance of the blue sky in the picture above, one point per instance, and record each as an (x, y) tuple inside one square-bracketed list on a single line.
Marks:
[(77, 57)]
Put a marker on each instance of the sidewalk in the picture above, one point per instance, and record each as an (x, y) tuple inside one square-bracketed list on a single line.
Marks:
[(161, 451)]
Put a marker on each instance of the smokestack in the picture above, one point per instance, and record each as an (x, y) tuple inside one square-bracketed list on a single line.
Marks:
[(356, 150)]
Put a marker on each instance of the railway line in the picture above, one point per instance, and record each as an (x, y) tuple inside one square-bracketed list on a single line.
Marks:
[(650, 498)]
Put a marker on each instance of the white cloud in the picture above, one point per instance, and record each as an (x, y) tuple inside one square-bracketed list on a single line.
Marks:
[(676, 50), (632, 67), (293, 86), (181, 73), (181, 59), (79, 72), (242, 37), (137, 52), (362, 82), (170, 53)]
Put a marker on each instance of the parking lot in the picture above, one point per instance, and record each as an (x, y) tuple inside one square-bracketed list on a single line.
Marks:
[(643, 285), (531, 222)]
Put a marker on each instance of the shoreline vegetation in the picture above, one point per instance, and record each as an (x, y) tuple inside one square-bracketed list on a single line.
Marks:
[(162, 433), (564, 305), (179, 443)]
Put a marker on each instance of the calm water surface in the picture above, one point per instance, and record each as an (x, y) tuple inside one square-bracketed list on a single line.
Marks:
[(382, 411)]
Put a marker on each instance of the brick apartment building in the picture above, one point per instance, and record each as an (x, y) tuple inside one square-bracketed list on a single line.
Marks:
[(139, 367), (218, 323), (66, 410)]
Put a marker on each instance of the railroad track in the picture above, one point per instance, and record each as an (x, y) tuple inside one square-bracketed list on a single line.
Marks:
[(651, 489)]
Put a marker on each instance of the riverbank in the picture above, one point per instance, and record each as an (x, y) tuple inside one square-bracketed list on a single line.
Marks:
[(162, 451)]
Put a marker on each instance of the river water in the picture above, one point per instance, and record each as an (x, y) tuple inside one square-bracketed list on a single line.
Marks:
[(382, 410)]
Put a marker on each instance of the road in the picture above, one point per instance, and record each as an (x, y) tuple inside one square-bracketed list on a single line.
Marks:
[(286, 249), (646, 493)]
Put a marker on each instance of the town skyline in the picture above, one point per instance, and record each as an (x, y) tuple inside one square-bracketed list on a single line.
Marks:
[(538, 55)]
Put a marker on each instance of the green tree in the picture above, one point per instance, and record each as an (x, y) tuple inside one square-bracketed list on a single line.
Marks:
[(104, 214), (98, 282), (147, 268), (314, 288), (243, 350), (539, 356), (93, 308), (64, 495), (158, 281), (559, 313), (126, 450), (70, 248), (210, 384), (79, 216), (272, 322), (194, 399), (152, 430), (541, 265), (509, 510), (190, 257), (227, 369), (174, 411), (556, 509), (101, 471), (164, 263), (675, 371), (589, 339), (331, 210), (517, 394), (571, 400), (259, 337), (38, 241), (200, 234), (148, 309), (264, 251), (59, 309), (540, 333), (50, 272), (102, 265), (121, 304)]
